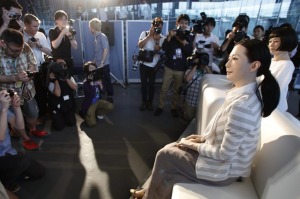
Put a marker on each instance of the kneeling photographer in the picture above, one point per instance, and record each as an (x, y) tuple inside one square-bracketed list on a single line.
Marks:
[(205, 40), (177, 46), (61, 101), (93, 105), (198, 64), (150, 43)]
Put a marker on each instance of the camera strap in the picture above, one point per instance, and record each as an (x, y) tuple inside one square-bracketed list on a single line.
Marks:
[(187, 86)]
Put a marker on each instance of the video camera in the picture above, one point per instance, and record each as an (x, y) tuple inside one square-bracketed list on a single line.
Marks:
[(199, 24), (95, 75), (198, 58), (241, 22), (70, 26)]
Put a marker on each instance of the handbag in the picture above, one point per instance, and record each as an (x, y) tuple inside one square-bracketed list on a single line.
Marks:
[(146, 55)]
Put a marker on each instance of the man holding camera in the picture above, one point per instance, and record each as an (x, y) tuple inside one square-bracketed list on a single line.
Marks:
[(177, 46), (207, 42), (238, 33), (11, 13), (62, 39), (102, 56), (14, 165), (198, 64), (150, 42), (39, 45), (17, 68)]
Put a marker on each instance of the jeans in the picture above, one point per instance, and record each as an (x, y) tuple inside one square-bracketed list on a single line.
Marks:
[(147, 76)]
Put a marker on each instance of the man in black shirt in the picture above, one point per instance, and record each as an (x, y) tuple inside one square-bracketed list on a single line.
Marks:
[(177, 46), (62, 40)]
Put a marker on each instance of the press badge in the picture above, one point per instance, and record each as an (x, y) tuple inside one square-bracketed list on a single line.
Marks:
[(18, 84), (178, 53), (66, 97)]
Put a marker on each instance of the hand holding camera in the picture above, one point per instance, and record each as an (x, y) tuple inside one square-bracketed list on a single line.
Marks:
[(4, 100)]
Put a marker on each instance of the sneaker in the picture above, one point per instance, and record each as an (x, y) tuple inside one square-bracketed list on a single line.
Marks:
[(13, 187), (158, 112), (100, 117), (149, 106), (174, 112), (30, 145), (39, 133), (143, 106)]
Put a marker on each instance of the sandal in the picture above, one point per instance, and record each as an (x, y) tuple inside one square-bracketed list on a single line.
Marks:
[(137, 193)]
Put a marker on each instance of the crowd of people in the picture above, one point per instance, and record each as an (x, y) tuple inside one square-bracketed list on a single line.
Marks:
[(37, 80)]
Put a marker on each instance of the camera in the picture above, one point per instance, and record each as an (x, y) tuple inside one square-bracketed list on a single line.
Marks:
[(30, 74), (14, 16), (201, 45), (198, 58), (183, 34), (136, 62), (11, 92), (199, 24), (59, 71), (241, 22), (33, 39), (70, 26), (157, 30), (95, 75), (161, 61)]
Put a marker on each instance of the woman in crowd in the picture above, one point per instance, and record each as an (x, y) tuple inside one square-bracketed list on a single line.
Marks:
[(282, 40), (225, 150), (93, 105)]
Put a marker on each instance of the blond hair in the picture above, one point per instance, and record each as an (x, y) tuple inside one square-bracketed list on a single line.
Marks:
[(95, 24)]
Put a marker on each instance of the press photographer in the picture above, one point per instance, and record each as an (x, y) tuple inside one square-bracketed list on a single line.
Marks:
[(62, 39), (177, 48), (238, 33), (149, 44), (198, 66), (205, 40), (11, 13), (93, 104), (61, 101)]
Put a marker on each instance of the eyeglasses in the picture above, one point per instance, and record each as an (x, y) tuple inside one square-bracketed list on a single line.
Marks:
[(14, 50)]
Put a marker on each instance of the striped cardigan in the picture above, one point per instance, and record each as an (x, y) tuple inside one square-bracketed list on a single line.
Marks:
[(231, 137)]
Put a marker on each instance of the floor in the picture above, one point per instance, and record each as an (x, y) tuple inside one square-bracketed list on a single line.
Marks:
[(105, 161)]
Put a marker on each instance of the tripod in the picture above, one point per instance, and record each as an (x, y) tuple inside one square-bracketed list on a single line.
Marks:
[(117, 80)]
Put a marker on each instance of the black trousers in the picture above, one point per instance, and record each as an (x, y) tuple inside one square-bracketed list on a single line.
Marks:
[(147, 75), (17, 166), (107, 81), (61, 119), (41, 93)]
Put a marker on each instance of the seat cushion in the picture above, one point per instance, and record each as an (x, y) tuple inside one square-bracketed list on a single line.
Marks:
[(236, 190)]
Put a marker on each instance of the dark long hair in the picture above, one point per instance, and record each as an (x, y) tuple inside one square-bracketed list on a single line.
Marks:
[(258, 51)]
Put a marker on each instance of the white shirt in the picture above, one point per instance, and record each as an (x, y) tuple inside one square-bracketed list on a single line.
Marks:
[(206, 41), (38, 54), (150, 46)]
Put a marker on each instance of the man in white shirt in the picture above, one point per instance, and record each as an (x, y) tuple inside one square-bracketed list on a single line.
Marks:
[(207, 42), (35, 39), (39, 45)]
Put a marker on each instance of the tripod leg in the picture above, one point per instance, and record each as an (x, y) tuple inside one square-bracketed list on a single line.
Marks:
[(118, 80)]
